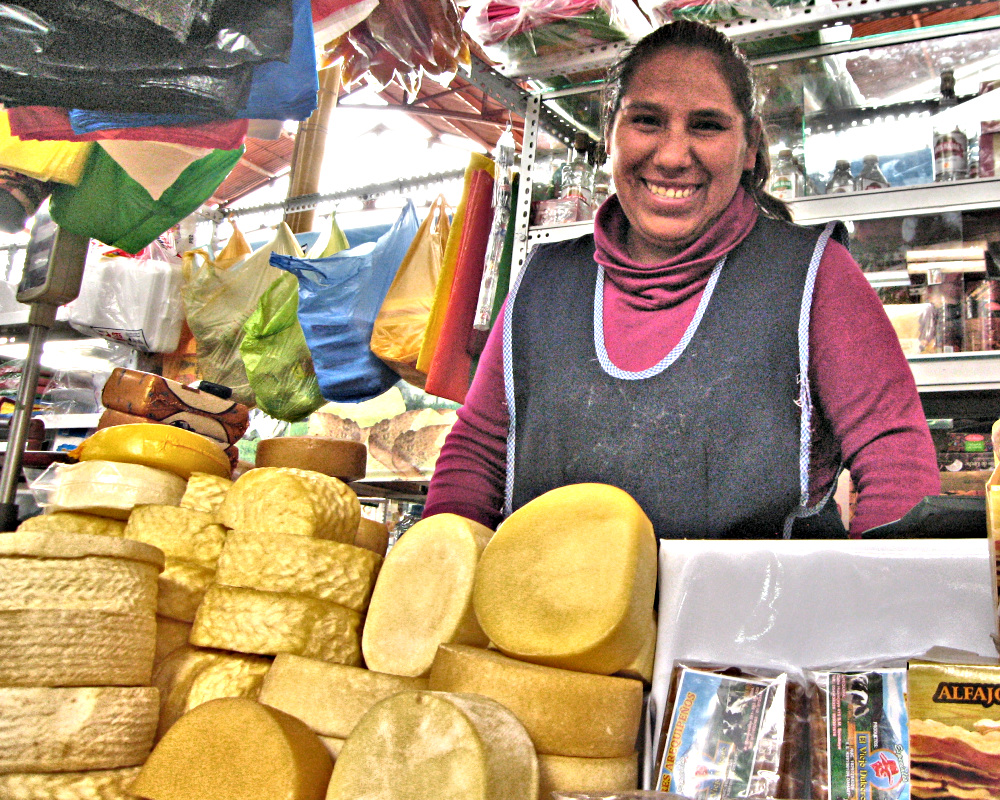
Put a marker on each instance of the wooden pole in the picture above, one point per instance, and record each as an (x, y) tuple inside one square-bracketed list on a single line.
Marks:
[(310, 147)]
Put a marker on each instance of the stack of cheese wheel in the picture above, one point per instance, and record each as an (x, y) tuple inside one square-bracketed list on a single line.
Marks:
[(77, 637), (565, 590)]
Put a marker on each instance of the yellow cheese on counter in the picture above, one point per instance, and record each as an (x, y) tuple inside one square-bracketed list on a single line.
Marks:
[(182, 585), (597, 775), (329, 698), (423, 595), (45, 729), (565, 713), (41, 570), (150, 444), (280, 562), (178, 532), (76, 647), (74, 522), (267, 623), (171, 634), (641, 667), (113, 488), (236, 749), (436, 746), (372, 535), (568, 580), (290, 500), (95, 784), (205, 492)]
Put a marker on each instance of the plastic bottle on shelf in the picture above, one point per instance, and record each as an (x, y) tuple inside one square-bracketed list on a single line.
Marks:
[(601, 186), (578, 176), (786, 179), (871, 176), (951, 145), (842, 180)]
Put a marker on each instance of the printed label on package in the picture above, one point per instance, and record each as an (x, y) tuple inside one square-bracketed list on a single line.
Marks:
[(714, 732), (867, 735)]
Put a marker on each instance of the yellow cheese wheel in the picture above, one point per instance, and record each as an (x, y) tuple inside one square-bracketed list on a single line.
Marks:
[(340, 458), (568, 580), (151, 444), (565, 713), (590, 775), (329, 698), (267, 623), (182, 585), (290, 500), (235, 749), (423, 595), (436, 746), (178, 532), (279, 562), (74, 522), (372, 535)]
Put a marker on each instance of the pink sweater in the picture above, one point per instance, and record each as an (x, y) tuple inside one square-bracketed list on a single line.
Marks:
[(862, 387)]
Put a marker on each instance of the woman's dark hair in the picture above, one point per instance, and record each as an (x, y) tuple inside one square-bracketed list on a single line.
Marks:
[(735, 71)]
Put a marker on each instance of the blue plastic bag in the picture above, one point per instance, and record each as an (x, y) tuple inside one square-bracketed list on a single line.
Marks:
[(339, 297)]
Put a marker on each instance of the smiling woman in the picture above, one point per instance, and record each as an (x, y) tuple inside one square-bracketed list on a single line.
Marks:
[(698, 350)]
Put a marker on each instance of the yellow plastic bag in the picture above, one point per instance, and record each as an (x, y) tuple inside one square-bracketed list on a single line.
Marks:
[(58, 161), (219, 297), (402, 319)]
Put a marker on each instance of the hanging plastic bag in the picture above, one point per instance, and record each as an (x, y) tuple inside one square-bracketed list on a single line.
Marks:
[(63, 162), (220, 298), (402, 319), (109, 206), (275, 354), (339, 298), (131, 299)]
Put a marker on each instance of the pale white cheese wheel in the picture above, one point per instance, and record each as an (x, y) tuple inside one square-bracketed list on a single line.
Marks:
[(568, 580), (44, 729), (182, 586), (280, 562), (423, 595), (267, 623), (178, 532), (565, 712), (95, 784), (76, 647), (113, 488), (329, 698), (590, 775), (436, 746)]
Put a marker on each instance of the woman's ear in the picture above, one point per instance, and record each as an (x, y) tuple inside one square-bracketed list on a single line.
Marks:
[(754, 134)]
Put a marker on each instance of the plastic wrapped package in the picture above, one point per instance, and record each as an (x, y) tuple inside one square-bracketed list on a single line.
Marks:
[(914, 325), (131, 299), (518, 30), (803, 605), (663, 11)]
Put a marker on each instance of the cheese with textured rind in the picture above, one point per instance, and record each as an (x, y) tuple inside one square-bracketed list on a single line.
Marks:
[(112, 488), (205, 492), (182, 585), (568, 580), (171, 634), (280, 562), (565, 712), (372, 535), (40, 570), (423, 595), (74, 522), (236, 749), (590, 775), (436, 746), (329, 698), (46, 729), (267, 623), (178, 532), (295, 501), (95, 784), (76, 647)]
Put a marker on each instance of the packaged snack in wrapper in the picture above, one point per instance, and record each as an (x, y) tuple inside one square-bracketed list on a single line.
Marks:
[(954, 730), (859, 735)]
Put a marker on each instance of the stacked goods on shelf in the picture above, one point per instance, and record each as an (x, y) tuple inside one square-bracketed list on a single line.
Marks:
[(77, 635)]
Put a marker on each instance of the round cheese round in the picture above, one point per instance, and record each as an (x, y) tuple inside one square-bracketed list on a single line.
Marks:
[(340, 458)]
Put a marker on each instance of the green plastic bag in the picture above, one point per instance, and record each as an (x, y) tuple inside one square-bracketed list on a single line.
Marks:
[(109, 206), (274, 350)]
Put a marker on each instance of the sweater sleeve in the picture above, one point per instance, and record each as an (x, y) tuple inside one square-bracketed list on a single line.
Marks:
[(866, 391), (470, 474)]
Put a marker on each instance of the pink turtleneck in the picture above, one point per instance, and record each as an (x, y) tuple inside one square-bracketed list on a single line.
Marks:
[(863, 389)]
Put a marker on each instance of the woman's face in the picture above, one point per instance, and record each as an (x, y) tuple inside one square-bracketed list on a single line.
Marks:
[(678, 148)]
